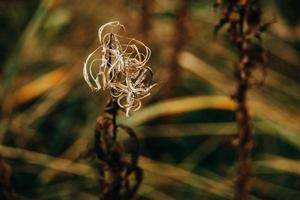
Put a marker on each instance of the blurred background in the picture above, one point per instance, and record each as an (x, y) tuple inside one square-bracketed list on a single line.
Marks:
[(186, 126)]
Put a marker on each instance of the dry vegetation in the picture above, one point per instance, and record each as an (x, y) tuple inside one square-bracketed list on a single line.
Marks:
[(182, 141)]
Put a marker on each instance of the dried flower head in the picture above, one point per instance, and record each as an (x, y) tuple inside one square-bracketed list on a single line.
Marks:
[(119, 65)]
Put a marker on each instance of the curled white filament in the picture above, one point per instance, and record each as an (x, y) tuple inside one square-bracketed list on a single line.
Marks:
[(119, 64)]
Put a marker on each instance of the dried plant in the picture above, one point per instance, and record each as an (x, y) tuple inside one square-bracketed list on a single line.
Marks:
[(120, 66), (244, 28), (120, 175), (122, 70)]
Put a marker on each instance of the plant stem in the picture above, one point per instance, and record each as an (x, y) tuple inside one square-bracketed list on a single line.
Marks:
[(245, 27), (179, 39), (245, 141), (113, 105)]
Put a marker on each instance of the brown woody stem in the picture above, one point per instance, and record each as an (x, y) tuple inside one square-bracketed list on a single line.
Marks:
[(245, 141), (113, 110)]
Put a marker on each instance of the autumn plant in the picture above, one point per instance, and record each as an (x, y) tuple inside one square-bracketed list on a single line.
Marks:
[(243, 19), (119, 66)]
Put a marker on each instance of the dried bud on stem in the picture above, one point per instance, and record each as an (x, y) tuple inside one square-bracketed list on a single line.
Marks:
[(122, 69)]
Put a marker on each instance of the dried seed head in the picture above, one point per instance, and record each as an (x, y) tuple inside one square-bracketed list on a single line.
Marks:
[(119, 64)]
